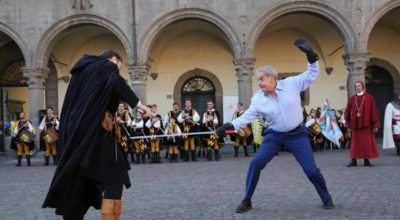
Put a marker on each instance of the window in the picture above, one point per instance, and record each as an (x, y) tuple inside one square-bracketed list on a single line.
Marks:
[(198, 85)]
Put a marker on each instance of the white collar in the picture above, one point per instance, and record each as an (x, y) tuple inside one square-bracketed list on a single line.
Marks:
[(360, 93)]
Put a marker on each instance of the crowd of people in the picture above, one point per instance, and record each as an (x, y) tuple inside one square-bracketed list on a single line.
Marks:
[(318, 141), (139, 136), (176, 125)]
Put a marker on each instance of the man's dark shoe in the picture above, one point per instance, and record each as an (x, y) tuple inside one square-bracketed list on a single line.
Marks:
[(329, 204), (244, 206), (353, 163)]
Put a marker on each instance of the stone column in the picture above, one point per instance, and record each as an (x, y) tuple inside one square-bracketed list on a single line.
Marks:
[(356, 64), (244, 72), (36, 85), (139, 73)]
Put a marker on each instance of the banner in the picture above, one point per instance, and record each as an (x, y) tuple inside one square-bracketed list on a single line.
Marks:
[(329, 126)]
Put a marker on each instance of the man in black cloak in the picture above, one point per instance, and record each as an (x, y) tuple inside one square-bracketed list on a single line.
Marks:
[(92, 169)]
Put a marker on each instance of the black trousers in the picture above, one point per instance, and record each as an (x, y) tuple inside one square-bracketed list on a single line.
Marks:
[(81, 196), (113, 191)]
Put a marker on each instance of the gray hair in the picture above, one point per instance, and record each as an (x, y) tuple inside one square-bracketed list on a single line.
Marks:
[(267, 70)]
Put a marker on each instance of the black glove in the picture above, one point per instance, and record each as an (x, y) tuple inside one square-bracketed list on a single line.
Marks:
[(304, 46), (220, 132)]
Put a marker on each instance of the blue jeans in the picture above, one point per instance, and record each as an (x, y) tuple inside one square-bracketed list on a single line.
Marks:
[(298, 142)]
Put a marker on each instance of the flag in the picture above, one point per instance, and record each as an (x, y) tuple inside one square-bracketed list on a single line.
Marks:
[(329, 125)]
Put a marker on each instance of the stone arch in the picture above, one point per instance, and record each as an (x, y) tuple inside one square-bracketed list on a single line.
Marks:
[(390, 68), (149, 36), (324, 11), (200, 73), (370, 24), (47, 41), (18, 40)]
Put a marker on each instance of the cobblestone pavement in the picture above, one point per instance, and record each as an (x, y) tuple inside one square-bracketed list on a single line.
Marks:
[(212, 190)]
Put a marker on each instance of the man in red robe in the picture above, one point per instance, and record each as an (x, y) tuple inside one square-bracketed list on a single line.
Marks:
[(362, 118)]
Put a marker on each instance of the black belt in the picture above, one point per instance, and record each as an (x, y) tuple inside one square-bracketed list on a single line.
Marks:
[(284, 132), (294, 129)]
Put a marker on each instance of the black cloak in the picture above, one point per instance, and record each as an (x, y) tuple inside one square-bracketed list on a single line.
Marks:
[(89, 154)]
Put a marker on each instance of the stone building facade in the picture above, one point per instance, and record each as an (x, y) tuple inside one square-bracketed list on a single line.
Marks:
[(199, 49)]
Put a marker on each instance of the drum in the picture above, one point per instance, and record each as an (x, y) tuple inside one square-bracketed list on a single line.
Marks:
[(315, 129), (50, 136), (26, 136), (244, 132)]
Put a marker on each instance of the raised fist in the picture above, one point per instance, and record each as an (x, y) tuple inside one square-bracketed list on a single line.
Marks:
[(304, 46)]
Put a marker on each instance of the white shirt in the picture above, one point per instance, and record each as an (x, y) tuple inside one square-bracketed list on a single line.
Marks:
[(166, 121), (215, 120), (156, 124), (137, 124), (43, 124), (178, 130), (196, 117), (16, 130), (284, 113)]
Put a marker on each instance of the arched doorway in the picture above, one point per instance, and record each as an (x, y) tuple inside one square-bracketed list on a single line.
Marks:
[(380, 86), (199, 90), (182, 89), (194, 46)]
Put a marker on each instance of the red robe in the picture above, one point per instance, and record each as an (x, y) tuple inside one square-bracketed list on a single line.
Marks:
[(363, 144)]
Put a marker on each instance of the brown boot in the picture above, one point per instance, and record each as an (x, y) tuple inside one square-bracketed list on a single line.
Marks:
[(110, 209)]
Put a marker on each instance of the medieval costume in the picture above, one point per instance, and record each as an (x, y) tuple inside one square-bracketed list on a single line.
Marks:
[(190, 121), (362, 118), (391, 132), (346, 137), (92, 168), (140, 146), (49, 127), (124, 120), (154, 126), (240, 138), (174, 114), (210, 122), (172, 141), (24, 137), (316, 136)]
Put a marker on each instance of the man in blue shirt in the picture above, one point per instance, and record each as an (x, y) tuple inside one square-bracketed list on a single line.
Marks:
[(278, 101)]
